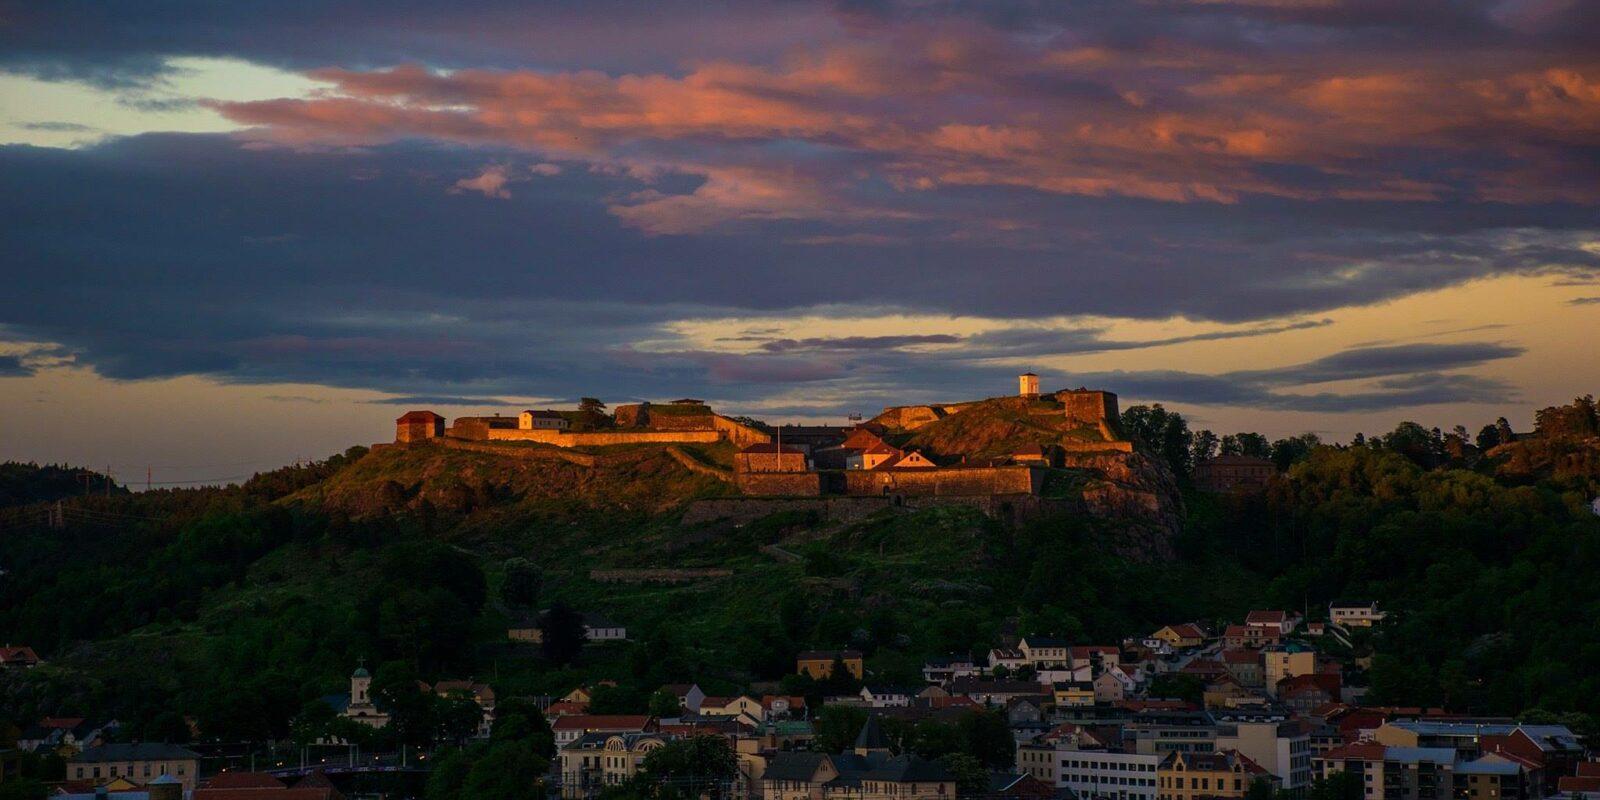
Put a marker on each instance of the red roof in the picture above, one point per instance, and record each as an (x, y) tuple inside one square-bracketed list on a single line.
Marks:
[(1360, 751), (565, 708), (22, 655), (1325, 681), (243, 780), (1266, 617), (1578, 783), (1238, 656), (603, 722), (1188, 630)]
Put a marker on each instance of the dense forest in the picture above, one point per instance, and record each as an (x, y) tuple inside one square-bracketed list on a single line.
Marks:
[(239, 607)]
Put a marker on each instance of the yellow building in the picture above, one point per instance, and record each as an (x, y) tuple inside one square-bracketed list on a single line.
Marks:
[(1077, 693), (818, 664), (598, 760), (1190, 776), (1286, 661), (139, 763), (1181, 636)]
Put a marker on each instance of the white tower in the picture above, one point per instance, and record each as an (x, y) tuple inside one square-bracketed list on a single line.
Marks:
[(1028, 384)]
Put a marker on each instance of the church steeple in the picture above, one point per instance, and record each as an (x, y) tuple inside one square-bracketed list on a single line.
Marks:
[(871, 739)]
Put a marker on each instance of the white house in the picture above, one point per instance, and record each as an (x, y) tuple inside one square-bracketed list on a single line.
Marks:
[(886, 696), (1044, 651), (542, 421), (1355, 613)]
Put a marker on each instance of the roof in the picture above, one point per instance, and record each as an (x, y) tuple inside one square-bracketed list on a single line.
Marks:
[(871, 736), (139, 751), (1219, 761), (1264, 617), (1360, 751), (819, 655), (1187, 630), (602, 722), (545, 414), (419, 416), (793, 766), (1490, 766), (243, 780)]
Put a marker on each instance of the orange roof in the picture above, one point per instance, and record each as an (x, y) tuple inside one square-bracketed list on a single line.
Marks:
[(419, 416)]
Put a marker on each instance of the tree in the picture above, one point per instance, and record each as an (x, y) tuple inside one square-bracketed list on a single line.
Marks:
[(971, 778), (1203, 447), (592, 413), (447, 775), (562, 634), (1162, 433), (692, 764), (1247, 443), (508, 771), (986, 737), (837, 728), (521, 584), (1178, 685), (664, 704)]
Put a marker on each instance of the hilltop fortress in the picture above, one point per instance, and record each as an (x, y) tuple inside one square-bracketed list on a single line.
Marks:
[(1016, 454)]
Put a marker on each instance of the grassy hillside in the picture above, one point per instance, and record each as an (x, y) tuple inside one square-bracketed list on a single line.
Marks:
[(998, 427)]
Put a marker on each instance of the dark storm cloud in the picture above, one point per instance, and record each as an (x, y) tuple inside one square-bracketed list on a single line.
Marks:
[(166, 255)]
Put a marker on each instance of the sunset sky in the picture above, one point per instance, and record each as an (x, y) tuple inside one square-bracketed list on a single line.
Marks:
[(238, 234)]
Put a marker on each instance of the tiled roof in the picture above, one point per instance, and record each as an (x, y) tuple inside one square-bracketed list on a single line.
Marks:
[(139, 751)]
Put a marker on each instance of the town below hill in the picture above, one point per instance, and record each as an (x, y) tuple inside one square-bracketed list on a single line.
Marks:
[(464, 614)]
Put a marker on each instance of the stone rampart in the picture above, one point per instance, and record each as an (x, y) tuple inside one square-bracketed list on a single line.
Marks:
[(773, 484), (944, 481), (850, 510)]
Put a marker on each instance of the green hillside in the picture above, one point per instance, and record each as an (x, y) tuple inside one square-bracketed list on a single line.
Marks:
[(237, 606)]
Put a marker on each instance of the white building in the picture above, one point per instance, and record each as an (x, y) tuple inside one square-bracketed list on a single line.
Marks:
[(542, 421), (1088, 773), (1357, 614)]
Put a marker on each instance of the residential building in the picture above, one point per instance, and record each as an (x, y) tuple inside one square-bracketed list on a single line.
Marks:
[(818, 664), (1095, 772), (689, 694), (1181, 636), (1159, 732), (881, 696), (1226, 473), (1282, 622), (1244, 664), (993, 692), (1281, 748), (18, 658), (1044, 651), (947, 668), (138, 763), (594, 761), (569, 729), (1073, 694), (1191, 776), (1286, 661), (1355, 613), (1250, 636), (870, 771), (596, 628)]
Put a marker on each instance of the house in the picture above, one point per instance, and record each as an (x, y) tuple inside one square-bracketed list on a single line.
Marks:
[(783, 706), (771, 457), (1306, 692), (415, 426), (1355, 613), (689, 694), (1068, 695), (870, 771), (261, 786), (18, 658), (1094, 656), (65, 736), (939, 670), (908, 459), (994, 692), (818, 664), (1009, 786), (1044, 651), (1238, 636), (571, 728), (1224, 773), (1009, 658), (1280, 622), (871, 457), (879, 696), (1286, 661), (1227, 473), (139, 763), (1225, 692), (1181, 636), (543, 421), (743, 708), (1112, 686), (1282, 748), (1245, 666), (596, 628), (597, 760)]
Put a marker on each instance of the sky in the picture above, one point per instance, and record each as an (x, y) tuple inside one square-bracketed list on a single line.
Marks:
[(242, 234)]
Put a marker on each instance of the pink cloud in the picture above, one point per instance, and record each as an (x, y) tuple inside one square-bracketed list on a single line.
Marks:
[(491, 182)]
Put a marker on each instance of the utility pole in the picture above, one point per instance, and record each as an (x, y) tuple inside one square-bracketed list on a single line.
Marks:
[(147, 483)]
